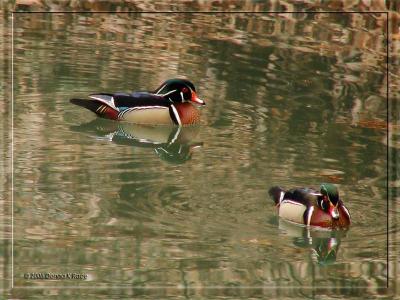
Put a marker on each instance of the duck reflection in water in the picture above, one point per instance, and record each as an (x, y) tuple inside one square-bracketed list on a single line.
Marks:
[(323, 243), (172, 144)]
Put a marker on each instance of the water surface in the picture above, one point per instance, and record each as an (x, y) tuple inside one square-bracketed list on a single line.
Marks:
[(292, 100)]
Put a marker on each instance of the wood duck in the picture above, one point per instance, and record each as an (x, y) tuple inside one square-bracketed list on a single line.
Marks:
[(307, 206), (170, 103)]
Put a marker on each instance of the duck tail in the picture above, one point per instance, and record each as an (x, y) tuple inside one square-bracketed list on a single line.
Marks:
[(277, 194), (86, 103), (99, 108)]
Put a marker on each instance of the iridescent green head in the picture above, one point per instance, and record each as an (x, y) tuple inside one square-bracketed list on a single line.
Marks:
[(179, 90), (331, 192), (330, 199)]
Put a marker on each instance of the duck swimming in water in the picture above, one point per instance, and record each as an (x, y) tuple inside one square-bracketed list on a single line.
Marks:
[(173, 102), (311, 207)]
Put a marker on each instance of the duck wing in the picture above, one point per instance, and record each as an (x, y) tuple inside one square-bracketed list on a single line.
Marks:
[(109, 105), (125, 100), (305, 196)]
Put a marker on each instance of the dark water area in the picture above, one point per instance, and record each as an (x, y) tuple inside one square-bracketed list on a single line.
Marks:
[(292, 100)]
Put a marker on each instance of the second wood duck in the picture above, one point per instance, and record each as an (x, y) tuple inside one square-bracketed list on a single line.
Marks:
[(310, 207), (171, 103)]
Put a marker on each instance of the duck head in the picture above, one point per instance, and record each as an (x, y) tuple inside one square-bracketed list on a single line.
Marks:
[(179, 91), (330, 199)]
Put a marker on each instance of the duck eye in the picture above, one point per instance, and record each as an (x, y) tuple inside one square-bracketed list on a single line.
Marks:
[(185, 90)]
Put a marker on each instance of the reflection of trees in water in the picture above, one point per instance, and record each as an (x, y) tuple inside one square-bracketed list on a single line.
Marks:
[(152, 50), (337, 30), (331, 63), (246, 5)]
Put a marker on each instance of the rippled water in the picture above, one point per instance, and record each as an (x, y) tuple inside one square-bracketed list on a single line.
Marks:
[(292, 100)]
